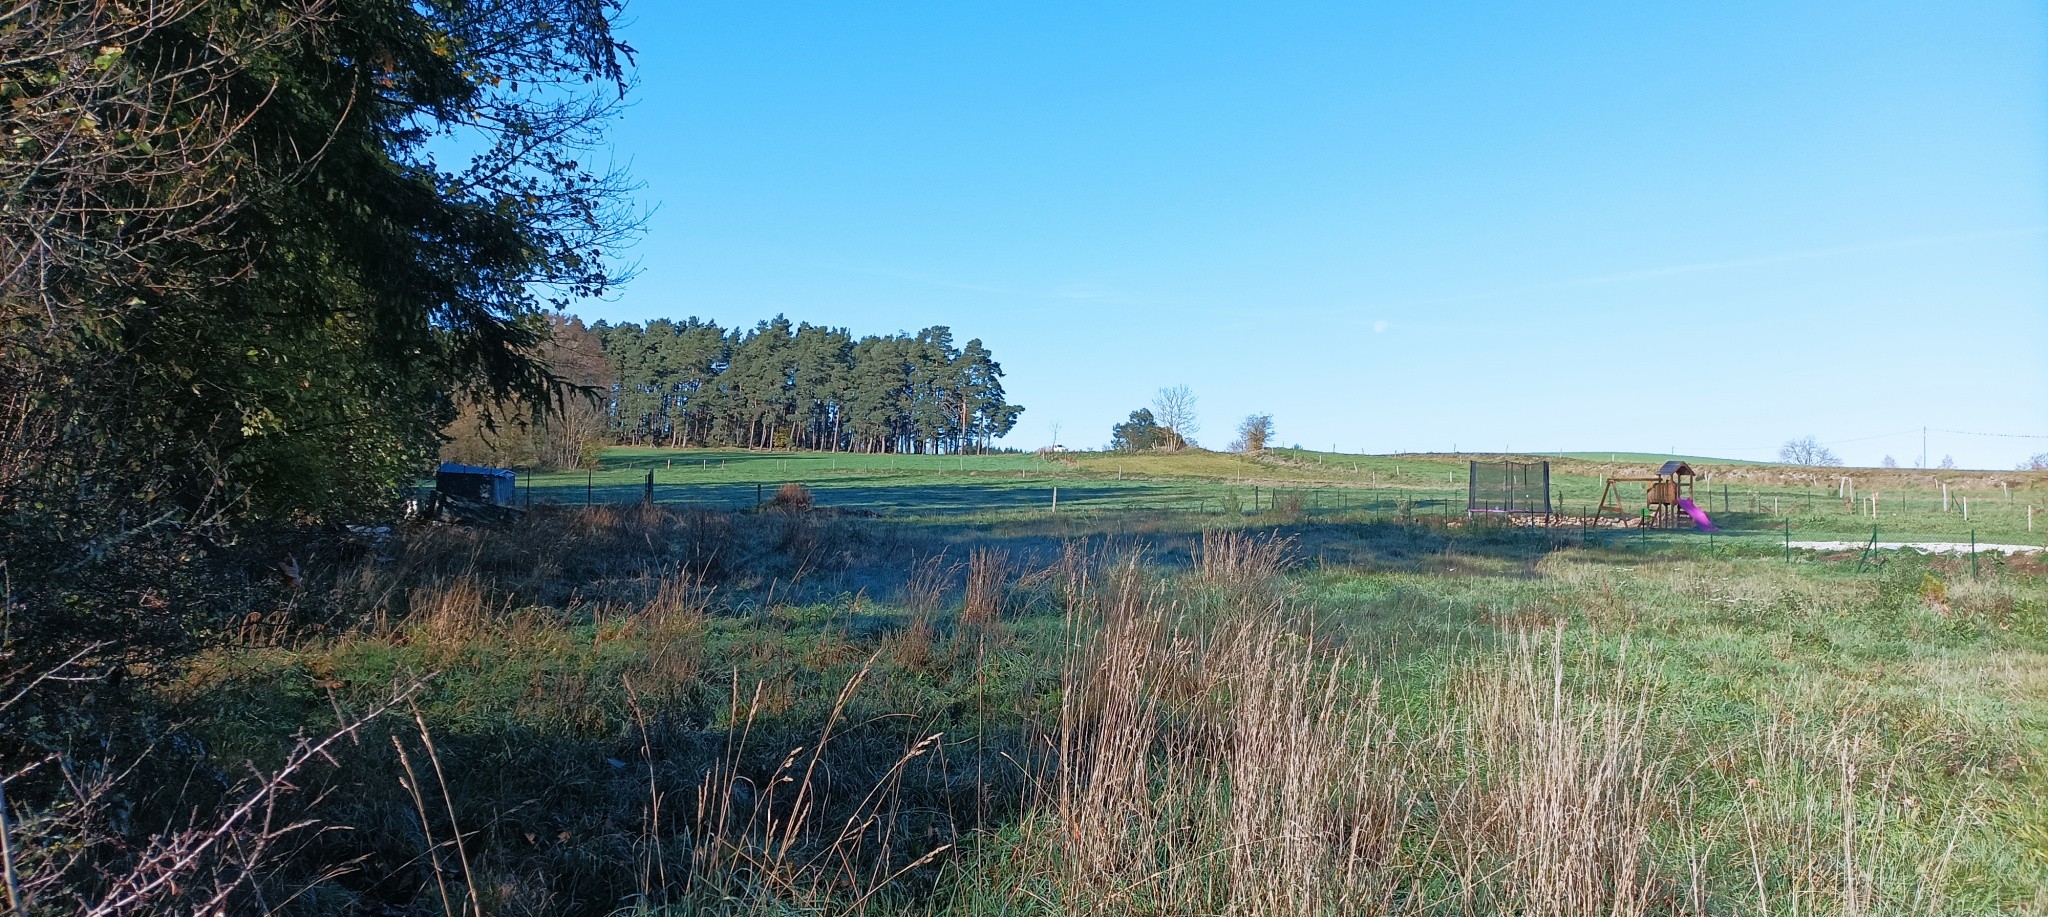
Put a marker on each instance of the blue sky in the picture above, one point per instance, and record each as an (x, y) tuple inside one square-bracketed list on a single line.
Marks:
[(1701, 227)]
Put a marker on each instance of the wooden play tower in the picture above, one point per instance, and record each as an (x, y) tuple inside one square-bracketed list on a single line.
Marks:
[(1661, 493)]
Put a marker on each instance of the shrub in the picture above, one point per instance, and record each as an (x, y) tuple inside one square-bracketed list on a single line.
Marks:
[(792, 496)]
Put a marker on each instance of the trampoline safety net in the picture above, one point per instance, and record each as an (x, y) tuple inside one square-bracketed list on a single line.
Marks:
[(1508, 487)]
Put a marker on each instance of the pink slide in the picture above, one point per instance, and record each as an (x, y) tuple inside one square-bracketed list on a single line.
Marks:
[(1699, 516)]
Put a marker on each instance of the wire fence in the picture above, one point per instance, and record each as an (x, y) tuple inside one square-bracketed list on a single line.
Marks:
[(1741, 516)]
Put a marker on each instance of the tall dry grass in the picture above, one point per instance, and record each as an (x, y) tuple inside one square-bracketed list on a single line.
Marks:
[(1241, 557), (1225, 761), (1210, 750), (1552, 813), (452, 612), (988, 581), (782, 843), (1218, 766)]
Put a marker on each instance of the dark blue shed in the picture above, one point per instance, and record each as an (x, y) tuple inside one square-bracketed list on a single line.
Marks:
[(495, 486)]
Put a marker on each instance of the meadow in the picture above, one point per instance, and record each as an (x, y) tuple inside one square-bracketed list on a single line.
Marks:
[(1743, 497), (950, 705)]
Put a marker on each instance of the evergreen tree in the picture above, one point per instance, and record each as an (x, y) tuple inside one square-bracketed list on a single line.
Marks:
[(802, 386), (1141, 432)]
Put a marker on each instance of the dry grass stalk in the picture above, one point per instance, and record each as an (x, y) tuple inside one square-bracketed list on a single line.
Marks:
[(924, 591), (1221, 772), (1218, 762), (450, 612), (1242, 557), (988, 576), (1821, 832), (912, 647), (680, 599), (1555, 808), (770, 846)]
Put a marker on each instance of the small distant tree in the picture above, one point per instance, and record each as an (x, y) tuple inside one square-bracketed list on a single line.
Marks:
[(1139, 433), (1948, 463), (1807, 451), (1890, 462), (2036, 462), (1175, 407), (1253, 433)]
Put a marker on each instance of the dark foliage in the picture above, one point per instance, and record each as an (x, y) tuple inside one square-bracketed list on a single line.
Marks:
[(804, 386), (240, 295), (1142, 432)]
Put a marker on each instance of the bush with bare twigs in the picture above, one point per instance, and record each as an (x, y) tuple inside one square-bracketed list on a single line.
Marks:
[(792, 497)]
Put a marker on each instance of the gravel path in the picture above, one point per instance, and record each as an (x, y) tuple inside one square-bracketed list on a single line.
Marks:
[(1924, 547)]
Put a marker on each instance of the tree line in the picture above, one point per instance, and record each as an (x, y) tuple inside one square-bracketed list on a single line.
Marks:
[(800, 386)]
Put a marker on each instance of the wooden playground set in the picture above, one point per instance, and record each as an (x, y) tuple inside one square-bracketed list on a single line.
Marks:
[(1521, 491), (1667, 498)]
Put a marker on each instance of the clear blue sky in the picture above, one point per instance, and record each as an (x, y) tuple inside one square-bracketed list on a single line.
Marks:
[(1641, 226)]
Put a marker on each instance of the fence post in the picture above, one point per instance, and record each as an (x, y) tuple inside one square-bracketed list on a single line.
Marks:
[(589, 484), (1055, 498), (1788, 541)]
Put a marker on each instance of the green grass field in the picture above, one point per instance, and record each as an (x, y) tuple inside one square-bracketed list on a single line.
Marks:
[(1159, 699), (648, 710), (1750, 498)]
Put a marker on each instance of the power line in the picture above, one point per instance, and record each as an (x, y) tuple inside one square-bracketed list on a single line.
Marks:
[(2000, 435), (1923, 430)]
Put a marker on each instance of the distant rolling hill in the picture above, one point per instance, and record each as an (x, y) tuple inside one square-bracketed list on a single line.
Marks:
[(1654, 457)]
